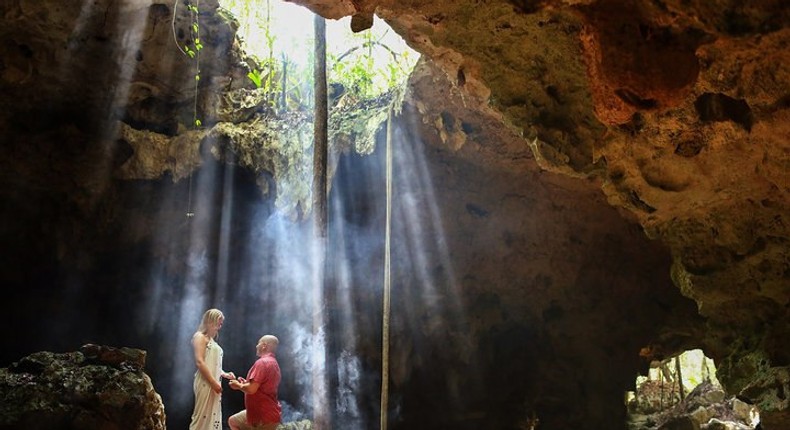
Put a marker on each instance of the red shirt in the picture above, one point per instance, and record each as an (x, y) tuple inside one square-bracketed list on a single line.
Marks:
[(263, 406)]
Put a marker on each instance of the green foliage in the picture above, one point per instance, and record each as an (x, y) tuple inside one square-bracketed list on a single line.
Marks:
[(193, 52), (370, 67), (366, 64), (695, 368), (255, 77)]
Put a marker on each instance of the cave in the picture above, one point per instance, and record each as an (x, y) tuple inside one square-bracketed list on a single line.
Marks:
[(562, 196)]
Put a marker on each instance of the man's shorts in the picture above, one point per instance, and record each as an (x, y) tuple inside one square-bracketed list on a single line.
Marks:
[(240, 421)]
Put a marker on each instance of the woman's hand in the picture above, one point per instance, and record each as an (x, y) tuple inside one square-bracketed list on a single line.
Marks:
[(217, 387), (229, 375)]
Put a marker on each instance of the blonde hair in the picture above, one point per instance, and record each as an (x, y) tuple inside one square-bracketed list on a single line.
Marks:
[(211, 316)]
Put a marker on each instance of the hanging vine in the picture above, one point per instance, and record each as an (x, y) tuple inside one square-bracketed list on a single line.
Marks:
[(194, 11), (192, 50)]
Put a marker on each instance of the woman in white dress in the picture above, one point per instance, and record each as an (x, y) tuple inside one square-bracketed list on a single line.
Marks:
[(207, 414)]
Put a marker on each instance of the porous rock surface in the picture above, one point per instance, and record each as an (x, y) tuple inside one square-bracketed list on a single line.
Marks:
[(97, 387)]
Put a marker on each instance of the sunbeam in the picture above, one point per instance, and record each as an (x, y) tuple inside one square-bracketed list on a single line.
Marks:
[(227, 217), (258, 262), (419, 221)]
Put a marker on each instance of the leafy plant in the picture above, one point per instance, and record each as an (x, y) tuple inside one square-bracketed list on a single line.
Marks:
[(191, 49), (194, 10), (255, 77), (372, 65)]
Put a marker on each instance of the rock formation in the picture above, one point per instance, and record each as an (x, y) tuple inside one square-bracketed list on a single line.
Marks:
[(98, 388)]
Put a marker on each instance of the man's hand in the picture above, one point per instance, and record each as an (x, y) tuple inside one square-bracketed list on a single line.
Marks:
[(235, 384)]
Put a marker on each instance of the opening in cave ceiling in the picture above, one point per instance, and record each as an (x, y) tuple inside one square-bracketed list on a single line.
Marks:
[(279, 36)]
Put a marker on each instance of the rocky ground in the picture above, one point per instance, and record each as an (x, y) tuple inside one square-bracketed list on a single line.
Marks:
[(656, 407)]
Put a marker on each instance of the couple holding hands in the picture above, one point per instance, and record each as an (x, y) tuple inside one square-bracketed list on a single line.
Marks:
[(262, 409)]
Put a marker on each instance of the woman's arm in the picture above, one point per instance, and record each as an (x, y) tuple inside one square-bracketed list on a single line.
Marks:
[(199, 342)]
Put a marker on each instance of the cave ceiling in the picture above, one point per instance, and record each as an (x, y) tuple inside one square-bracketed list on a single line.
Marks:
[(679, 108)]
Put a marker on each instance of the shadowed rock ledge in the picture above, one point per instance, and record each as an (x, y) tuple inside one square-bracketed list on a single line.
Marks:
[(95, 388)]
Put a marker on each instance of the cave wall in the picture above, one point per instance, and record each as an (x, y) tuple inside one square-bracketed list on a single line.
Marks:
[(528, 288), (679, 106)]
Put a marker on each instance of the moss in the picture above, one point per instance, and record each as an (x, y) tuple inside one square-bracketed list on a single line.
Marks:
[(742, 366), (283, 145)]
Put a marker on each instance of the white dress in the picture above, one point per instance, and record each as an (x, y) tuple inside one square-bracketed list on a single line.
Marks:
[(208, 409)]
